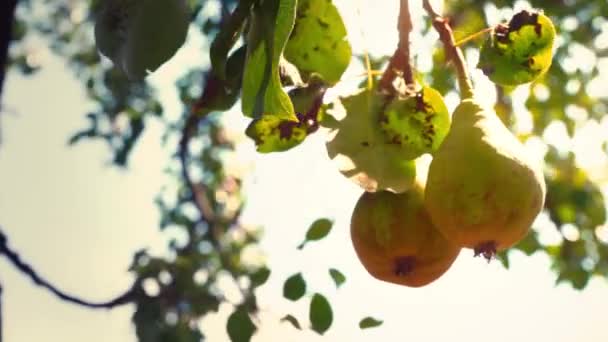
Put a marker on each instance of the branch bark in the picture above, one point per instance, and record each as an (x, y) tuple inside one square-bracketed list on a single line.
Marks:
[(452, 51), (27, 270), (400, 61), (7, 16)]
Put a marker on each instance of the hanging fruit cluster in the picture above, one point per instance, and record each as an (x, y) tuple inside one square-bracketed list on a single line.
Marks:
[(483, 189)]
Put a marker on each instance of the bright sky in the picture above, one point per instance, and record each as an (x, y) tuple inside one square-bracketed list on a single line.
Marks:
[(79, 221)]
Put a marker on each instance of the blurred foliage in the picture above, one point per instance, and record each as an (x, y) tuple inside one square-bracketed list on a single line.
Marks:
[(179, 289)]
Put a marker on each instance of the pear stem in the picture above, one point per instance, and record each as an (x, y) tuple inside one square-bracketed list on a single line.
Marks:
[(473, 36), (400, 61), (452, 51)]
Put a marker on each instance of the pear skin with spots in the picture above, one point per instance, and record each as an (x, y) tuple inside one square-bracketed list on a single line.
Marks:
[(484, 189), (395, 240)]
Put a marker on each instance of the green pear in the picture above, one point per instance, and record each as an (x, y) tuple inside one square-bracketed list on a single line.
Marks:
[(483, 189)]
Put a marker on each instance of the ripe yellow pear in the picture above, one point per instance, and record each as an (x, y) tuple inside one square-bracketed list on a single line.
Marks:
[(395, 240), (483, 189)]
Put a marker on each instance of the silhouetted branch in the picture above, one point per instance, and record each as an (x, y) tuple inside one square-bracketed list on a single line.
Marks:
[(26, 269), (1, 334), (7, 17)]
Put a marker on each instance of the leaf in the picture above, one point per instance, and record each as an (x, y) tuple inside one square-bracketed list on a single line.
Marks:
[(260, 277), (503, 257), (227, 36), (418, 123), (337, 276), (272, 133), (369, 322), (292, 320), (239, 326), (529, 244), (361, 151), (320, 315), (272, 22), (221, 94), (317, 231), (140, 36), (577, 277), (294, 287), (307, 102), (520, 52), (317, 44), (275, 126)]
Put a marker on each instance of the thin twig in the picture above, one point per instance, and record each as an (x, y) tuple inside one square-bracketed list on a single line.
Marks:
[(473, 36), (26, 269), (366, 59), (1, 334), (400, 61), (446, 36)]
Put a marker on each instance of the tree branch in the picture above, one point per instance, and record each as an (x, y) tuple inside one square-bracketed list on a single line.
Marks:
[(452, 51), (7, 17), (1, 334), (400, 61), (26, 269), (198, 190)]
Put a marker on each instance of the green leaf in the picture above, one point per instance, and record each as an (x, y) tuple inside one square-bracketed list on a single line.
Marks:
[(292, 320), (418, 123), (519, 52), (260, 277), (503, 257), (369, 322), (360, 149), (271, 24), (317, 231), (294, 287), (317, 44), (308, 100), (337, 276), (577, 277), (320, 315), (272, 133), (529, 244), (221, 95), (229, 33), (140, 36), (240, 327)]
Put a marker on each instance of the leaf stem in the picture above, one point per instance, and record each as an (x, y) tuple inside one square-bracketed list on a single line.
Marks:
[(473, 36), (452, 51), (400, 61)]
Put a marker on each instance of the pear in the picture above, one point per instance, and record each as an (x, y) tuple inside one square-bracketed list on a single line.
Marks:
[(483, 189), (395, 240)]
